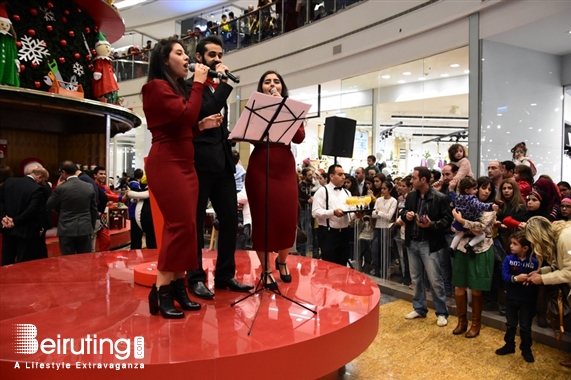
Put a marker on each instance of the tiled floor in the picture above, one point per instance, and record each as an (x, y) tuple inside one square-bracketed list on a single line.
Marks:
[(419, 349)]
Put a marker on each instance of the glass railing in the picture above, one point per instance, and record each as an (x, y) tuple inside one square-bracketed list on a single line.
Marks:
[(256, 25)]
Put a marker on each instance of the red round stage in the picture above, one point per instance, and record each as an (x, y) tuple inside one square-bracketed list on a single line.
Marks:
[(60, 310)]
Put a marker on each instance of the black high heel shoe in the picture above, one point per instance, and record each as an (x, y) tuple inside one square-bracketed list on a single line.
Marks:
[(160, 299), (279, 266), (269, 281), (179, 294)]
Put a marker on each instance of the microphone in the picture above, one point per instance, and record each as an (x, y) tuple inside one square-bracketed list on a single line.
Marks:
[(272, 90), (211, 73), (232, 77)]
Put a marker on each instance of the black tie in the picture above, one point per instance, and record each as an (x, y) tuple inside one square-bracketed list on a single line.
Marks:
[(338, 188)]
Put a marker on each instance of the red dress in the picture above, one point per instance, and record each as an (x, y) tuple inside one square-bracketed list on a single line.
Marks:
[(170, 170), (283, 197)]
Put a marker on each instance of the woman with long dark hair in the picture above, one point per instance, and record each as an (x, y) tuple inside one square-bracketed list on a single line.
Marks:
[(172, 119), (282, 192), (474, 271)]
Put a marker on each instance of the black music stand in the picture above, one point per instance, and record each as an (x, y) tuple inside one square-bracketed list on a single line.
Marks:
[(261, 114)]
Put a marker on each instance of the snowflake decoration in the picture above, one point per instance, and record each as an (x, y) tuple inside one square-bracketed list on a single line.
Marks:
[(48, 15), (78, 69), (32, 50)]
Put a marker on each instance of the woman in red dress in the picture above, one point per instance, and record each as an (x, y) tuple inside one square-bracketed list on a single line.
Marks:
[(282, 192), (172, 119)]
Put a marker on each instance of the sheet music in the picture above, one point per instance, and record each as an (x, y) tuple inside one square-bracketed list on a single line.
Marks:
[(258, 113)]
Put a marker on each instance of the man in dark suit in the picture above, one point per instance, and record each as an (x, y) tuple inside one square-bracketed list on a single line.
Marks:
[(215, 168), (75, 202), (360, 177), (21, 205)]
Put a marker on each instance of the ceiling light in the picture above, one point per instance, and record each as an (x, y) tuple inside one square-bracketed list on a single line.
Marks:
[(406, 73), (444, 75), (401, 81), (386, 76), (466, 71), (454, 65), (533, 104), (422, 78), (128, 3)]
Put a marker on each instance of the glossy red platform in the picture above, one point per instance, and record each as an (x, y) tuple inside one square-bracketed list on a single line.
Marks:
[(74, 296)]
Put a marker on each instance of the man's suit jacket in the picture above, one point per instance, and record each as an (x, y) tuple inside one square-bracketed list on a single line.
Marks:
[(212, 149), (75, 202), (23, 200)]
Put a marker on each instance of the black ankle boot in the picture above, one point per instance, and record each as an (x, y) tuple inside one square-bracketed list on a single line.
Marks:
[(179, 294), (160, 299)]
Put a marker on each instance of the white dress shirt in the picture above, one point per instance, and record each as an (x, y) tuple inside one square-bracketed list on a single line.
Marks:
[(337, 200)]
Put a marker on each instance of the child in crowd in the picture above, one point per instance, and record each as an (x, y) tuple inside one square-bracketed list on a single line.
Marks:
[(458, 156), (520, 298), (519, 157), (524, 179), (471, 208)]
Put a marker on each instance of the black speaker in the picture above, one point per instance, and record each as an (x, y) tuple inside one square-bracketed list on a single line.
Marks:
[(339, 137)]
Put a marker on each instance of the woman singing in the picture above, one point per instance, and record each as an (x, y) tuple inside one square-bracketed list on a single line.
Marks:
[(282, 192), (172, 119)]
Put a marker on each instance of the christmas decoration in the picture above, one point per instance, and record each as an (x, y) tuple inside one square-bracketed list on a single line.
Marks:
[(78, 69), (87, 30), (71, 33), (31, 32), (63, 42), (64, 20), (76, 56), (49, 28), (104, 83), (32, 50), (48, 15), (16, 18), (34, 65), (50, 4), (9, 64), (22, 68), (37, 84), (61, 60), (33, 12)]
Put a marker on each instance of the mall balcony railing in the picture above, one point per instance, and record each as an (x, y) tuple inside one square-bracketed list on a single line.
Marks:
[(265, 22)]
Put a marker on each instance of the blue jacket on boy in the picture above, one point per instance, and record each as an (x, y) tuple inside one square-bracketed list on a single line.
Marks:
[(514, 266)]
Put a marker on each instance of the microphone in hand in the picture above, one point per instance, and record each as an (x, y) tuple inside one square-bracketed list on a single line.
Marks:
[(211, 73), (232, 77), (272, 90)]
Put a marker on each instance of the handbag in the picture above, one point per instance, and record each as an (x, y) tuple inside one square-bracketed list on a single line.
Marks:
[(300, 237), (558, 310), (367, 232)]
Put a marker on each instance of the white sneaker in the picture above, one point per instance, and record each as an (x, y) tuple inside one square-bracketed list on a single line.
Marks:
[(442, 321), (412, 315)]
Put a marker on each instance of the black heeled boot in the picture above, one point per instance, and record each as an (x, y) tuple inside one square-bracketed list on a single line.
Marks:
[(279, 266), (160, 299), (179, 294)]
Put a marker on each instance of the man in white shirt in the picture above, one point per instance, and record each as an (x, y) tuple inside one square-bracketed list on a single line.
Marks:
[(329, 204)]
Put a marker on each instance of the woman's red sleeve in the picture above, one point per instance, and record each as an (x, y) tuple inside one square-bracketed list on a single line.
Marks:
[(299, 135), (510, 222)]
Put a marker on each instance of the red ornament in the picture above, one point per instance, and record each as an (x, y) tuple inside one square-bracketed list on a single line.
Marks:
[(96, 28), (31, 32), (90, 67), (71, 33), (44, 44), (87, 30), (93, 52), (33, 11), (64, 20), (63, 43), (34, 65), (18, 44), (50, 4), (61, 60), (16, 18), (66, 12), (76, 56), (88, 57), (37, 84), (49, 28), (22, 68), (78, 10)]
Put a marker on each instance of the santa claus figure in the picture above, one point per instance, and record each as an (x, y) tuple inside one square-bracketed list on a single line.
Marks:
[(9, 64), (104, 84)]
